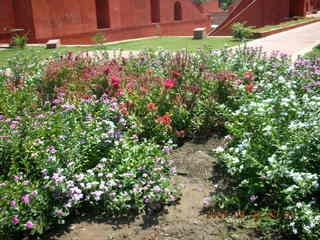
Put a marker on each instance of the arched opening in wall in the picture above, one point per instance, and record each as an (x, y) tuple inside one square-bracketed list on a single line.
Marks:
[(155, 11), (177, 11), (102, 11)]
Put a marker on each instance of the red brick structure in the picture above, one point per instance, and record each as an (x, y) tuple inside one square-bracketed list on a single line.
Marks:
[(76, 21), (265, 12)]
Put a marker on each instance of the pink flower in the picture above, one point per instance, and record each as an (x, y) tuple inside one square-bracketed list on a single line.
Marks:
[(29, 224), (169, 83), (26, 182), (26, 198), (253, 198), (34, 193), (13, 126), (13, 203), (15, 220), (249, 75), (59, 212)]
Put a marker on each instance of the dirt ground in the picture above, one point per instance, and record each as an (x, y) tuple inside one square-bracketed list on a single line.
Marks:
[(182, 221)]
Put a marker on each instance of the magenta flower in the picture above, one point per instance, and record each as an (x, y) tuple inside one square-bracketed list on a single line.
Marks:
[(34, 193), (26, 198), (29, 224), (15, 220), (13, 126)]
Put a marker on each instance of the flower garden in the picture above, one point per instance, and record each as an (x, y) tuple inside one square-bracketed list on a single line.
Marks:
[(81, 131)]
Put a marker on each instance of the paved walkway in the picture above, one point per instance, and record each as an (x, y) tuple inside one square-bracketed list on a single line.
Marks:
[(294, 42)]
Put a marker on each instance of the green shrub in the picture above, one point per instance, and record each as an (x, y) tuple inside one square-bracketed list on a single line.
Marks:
[(19, 41), (99, 38), (241, 32)]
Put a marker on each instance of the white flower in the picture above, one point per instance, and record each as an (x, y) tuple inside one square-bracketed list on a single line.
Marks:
[(218, 149)]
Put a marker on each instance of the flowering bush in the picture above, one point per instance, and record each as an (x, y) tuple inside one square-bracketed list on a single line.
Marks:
[(273, 152), (75, 153)]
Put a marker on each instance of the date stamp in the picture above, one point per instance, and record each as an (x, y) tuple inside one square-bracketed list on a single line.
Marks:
[(272, 214)]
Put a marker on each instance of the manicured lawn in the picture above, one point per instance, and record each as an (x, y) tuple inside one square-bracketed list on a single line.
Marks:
[(285, 24), (176, 43), (170, 43)]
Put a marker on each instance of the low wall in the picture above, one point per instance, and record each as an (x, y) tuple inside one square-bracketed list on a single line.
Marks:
[(279, 30), (181, 28)]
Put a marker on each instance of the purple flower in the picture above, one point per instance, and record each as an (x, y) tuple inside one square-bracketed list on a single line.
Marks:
[(59, 212), (17, 178), (15, 220), (173, 170), (34, 193), (253, 198), (13, 126), (52, 149), (29, 224), (13, 203), (157, 189), (44, 171), (26, 198)]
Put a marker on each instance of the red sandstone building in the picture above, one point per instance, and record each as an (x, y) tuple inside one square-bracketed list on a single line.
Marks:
[(76, 21), (265, 12)]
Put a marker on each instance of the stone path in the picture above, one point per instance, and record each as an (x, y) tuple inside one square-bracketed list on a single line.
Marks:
[(294, 42)]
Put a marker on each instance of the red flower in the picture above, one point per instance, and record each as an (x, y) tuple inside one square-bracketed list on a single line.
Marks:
[(175, 74), (169, 83), (165, 119), (115, 81), (119, 92), (250, 87), (152, 107)]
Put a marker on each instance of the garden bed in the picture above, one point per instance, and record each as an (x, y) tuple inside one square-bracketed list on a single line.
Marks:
[(96, 133)]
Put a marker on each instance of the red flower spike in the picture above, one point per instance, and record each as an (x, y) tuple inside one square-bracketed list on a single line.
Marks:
[(169, 83)]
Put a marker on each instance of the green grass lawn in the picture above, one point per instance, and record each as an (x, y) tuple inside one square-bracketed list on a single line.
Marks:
[(170, 43), (285, 24)]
